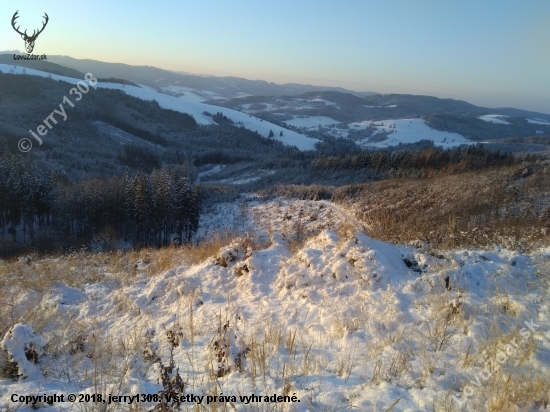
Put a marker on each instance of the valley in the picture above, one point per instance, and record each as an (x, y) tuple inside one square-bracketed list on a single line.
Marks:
[(198, 237)]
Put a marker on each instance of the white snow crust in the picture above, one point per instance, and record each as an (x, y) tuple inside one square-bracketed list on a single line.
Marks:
[(352, 325)]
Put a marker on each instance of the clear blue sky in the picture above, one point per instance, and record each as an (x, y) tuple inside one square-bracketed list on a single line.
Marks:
[(488, 52)]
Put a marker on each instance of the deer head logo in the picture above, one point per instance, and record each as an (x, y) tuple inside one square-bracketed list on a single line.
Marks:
[(29, 40)]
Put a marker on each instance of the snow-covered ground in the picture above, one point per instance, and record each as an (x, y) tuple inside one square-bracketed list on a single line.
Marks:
[(389, 106), (494, 118), (253, 215), (409, 131), (325, 102), (193, 108), (499, 119), (341, 321), (539, 121)]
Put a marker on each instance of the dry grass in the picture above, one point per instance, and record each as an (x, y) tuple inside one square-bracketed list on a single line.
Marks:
[(292, 354), (79, 268), (408, 357), (34, 274), (507, 206), (519, 381)]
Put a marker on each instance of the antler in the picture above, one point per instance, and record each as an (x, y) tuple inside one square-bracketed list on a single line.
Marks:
[(43, 25), (15, 17), (34, 34)]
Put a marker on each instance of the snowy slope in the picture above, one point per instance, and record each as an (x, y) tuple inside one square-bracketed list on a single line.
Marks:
[(195, 109), (494, 118), (409, 131), (344, 322), (400, 131), (326, 102), (498, 118), (390, 106), (539, 121)]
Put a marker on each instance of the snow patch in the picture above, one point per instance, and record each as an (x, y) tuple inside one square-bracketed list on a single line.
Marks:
[(408, 131), (494, 118), (389, 106), (21, 343), (539, 121)]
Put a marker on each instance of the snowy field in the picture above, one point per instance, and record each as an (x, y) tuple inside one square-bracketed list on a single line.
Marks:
[(400, 131), (193, 108), (325, 102), (494, 118), (389, 106), (306, 103), (409, 131), (499, 119), (339, 320)]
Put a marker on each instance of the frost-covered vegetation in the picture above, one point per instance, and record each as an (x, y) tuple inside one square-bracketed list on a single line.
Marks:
[(48, 211), (293, 297), (318, 310), (148, 253), (508, 205)]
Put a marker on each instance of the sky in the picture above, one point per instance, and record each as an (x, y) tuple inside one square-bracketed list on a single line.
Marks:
[(491, 53)]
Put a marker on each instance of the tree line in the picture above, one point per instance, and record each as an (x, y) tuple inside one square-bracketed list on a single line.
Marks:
[(153, 209), (409, 163)]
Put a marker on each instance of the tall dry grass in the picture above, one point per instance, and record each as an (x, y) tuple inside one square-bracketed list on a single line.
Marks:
[(507, 205), (33, 272)]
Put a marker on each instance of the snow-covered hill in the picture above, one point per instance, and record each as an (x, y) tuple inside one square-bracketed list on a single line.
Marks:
[(409, 131), (398, 131), (190, 106), (401, 130), (341, 321)]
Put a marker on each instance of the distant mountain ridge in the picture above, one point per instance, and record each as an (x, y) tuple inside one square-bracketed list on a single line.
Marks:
[(235, 87), (349, 107), (156, 78), (42, 65), (288, 106)]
